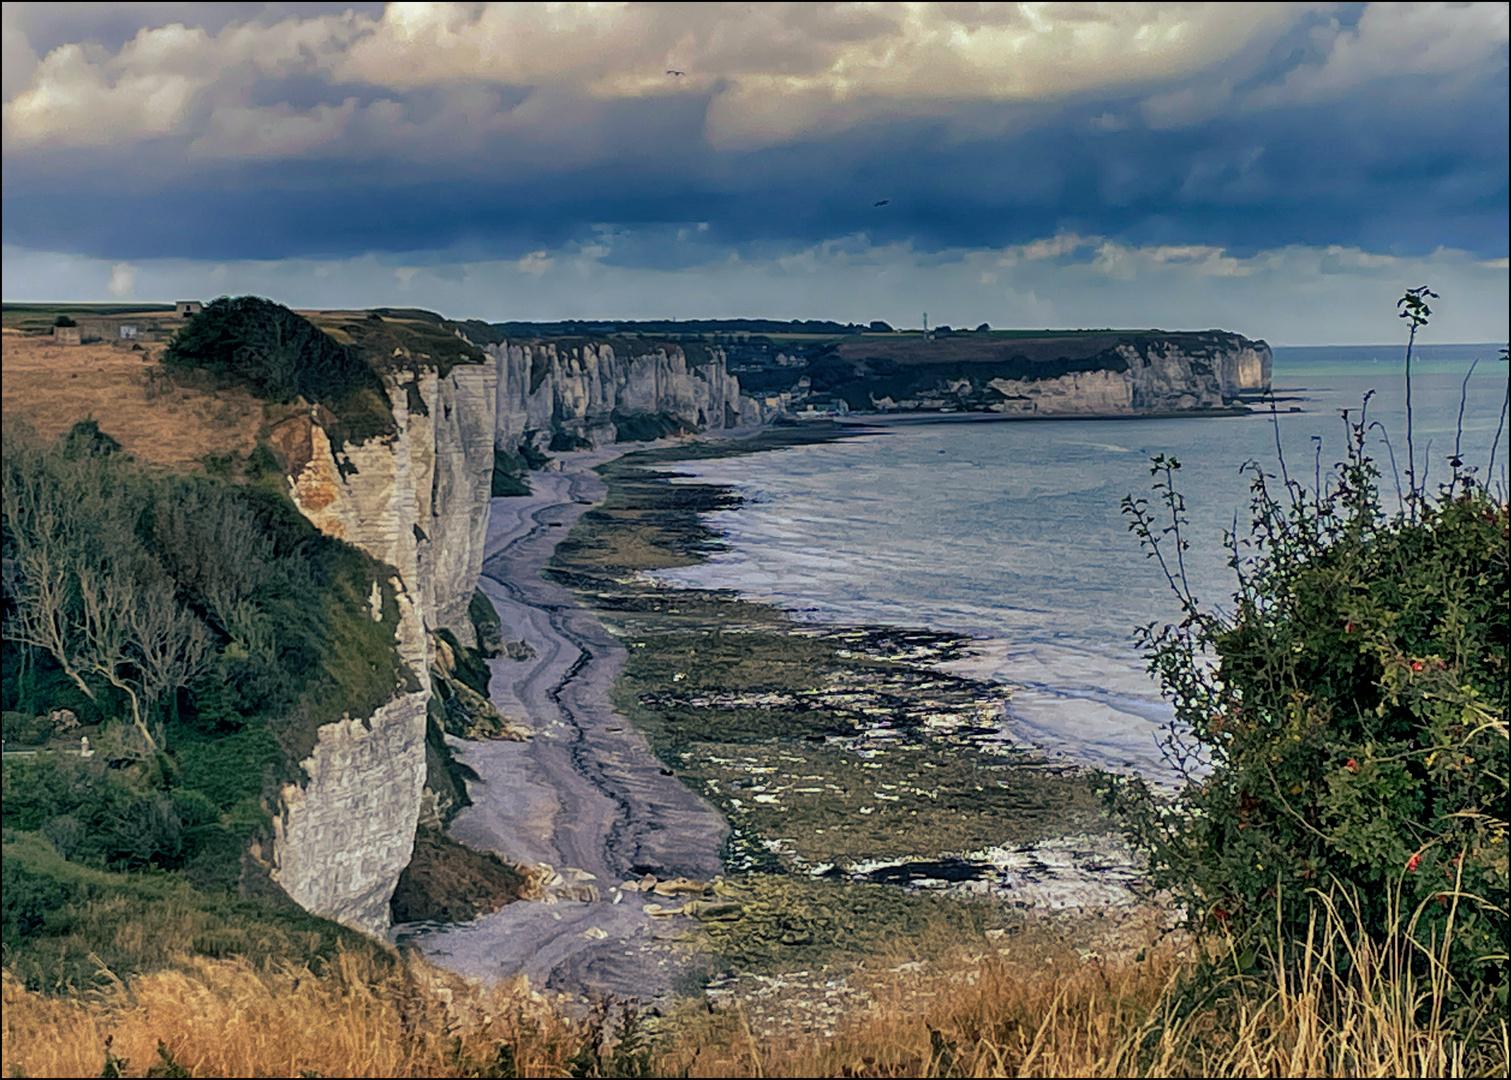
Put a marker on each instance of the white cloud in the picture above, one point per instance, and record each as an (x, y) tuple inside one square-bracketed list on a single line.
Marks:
[(769, 71), (1394, 39), (122, 280), (78, 99), (766, 72), (536, 263), (18, 60), (275, 132), (1337, 258), (156, 84), (1127, 263), (1188, 106), (1051, 248)]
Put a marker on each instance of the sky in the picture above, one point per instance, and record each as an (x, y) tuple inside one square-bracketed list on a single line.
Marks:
[(1281, 170)]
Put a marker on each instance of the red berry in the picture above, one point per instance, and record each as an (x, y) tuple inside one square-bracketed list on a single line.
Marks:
[(1416, 665), (1351, 765), (1414, 862)]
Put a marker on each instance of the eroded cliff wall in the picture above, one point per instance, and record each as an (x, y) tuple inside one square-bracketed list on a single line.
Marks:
[(417, 500), (1094, 373), (602, 392)]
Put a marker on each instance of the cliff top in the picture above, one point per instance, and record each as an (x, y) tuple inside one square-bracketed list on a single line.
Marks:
[(181, 423), (999, 346), (392, 339), (156, 420)]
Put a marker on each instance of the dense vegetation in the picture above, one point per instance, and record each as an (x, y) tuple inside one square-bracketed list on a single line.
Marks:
[(1346, 756), (67, 924), (199, 633), (280, 356)]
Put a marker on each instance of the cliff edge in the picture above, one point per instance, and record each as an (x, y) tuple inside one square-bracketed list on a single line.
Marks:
[(1059, 374)]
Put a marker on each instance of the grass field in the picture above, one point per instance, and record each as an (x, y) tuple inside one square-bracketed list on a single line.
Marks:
[(38, 318), (1028, 1005), (52, 386)]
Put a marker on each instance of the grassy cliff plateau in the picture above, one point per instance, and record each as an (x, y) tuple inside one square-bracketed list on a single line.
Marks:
[(334, 360), (202, 631)]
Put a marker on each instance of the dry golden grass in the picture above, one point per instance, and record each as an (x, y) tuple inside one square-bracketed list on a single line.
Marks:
[(1033, 1012), (1049, 1013), (52, 386), (224, 1018)]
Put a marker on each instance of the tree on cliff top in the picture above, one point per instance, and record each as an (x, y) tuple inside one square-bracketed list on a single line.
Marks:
[(278, 354)]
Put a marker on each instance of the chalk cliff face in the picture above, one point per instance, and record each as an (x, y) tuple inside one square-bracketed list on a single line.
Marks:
[(341, 840), (418, 501), (596, 391), (1098, 373), (1245, 368)]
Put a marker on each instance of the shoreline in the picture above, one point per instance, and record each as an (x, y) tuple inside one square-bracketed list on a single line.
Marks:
[(852, 675), (583, 797), (931, 416), (793, 723)]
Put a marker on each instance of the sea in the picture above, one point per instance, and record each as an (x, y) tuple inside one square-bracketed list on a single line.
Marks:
[(1012, 532)]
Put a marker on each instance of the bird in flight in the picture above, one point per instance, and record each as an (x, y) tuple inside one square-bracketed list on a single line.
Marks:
[(669, 71), (881, 202)]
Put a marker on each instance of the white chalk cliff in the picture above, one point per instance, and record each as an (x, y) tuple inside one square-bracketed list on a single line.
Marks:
[(580, 390), (418, 500)]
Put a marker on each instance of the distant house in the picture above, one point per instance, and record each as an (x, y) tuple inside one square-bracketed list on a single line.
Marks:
[(128, 331), (184, 308), (66, 335)]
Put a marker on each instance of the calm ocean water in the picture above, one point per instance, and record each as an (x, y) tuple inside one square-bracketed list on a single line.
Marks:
[(1011, 532)]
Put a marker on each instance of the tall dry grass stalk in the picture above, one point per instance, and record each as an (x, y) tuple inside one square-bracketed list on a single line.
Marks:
[(1336, 1006)]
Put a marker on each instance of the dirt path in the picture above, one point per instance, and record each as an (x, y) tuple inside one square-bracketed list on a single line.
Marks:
[(585, 795)]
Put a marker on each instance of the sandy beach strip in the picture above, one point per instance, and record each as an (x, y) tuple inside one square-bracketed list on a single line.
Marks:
[(585, 795)]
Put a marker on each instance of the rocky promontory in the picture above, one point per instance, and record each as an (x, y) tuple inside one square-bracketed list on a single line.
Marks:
[(1053, 373)]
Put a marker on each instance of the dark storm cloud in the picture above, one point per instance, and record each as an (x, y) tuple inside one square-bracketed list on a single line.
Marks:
[(1398, 170)]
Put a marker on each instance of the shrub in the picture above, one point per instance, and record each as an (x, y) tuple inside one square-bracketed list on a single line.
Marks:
[(486, 625), (86, 440), (24, 729), (530, 454), (280, 355), (1352, 732), (63, 923)]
